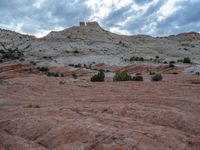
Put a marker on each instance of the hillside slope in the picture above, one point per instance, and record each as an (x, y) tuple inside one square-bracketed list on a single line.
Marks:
[(89, 43)]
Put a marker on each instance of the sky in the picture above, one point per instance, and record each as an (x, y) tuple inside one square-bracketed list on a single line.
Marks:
[(130, 17)]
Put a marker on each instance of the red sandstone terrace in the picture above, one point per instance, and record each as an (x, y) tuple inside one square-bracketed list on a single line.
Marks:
[(50, 98), (37, 112)]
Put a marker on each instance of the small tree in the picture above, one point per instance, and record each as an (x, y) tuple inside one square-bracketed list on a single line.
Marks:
[(99, 77), (187, 60), (122, 76)]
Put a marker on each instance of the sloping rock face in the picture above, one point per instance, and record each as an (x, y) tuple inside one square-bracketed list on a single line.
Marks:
[(13, 70), (13, 40), (94, 44), (190, 36), (39, 113)]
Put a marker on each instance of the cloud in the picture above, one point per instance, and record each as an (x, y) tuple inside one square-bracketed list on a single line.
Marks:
[(117, 16), (140, 2), (38, 16), (153, 17), (185, 19)]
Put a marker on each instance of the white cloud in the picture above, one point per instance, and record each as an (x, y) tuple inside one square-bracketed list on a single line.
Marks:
[(168, 9), (38, 4), (155, 17)]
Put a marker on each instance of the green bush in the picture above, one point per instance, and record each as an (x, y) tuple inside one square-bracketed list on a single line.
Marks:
[(156, 77), (180, 60), (122, 76), (138, 77), (99, 77), (136, 58), (52, 74), (171, 65), (76, 52), (71, 65), (187, 60), (78, 66), (43, 69)]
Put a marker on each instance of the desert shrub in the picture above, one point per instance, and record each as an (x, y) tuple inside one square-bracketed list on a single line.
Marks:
[(43, 69), (76, 52), (171, 65), (33, 63), (152, 73), (156, 77), (138, 74), (172, 62), (180, 60), (62, 82), (47, 57), (74, 76), (136, 58), (138, 77), (175, 73), (187, 60), (139, 59), (99, 77), (87, 66), (78, 66), (197, 73), (122, 76), (165, 62), (12, 54), (52, 74), (71, 65)]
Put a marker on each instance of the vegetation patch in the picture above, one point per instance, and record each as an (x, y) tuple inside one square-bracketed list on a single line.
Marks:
[(171, 64), (99, 77), (122, 76), (76, 52), (43, 69), (136, 58), (55, 74), (187, 60), (156, 77)]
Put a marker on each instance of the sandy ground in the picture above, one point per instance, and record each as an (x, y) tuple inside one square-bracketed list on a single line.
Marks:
[(39, 113)]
